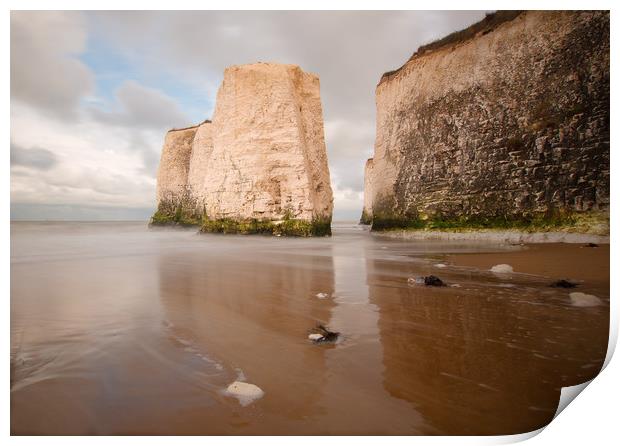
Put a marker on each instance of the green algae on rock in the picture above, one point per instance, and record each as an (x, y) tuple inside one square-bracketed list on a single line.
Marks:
[(179, 217), (287, 227), (582, 222)]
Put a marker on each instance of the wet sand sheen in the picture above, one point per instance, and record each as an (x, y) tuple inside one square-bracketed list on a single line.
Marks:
[(119, 330)]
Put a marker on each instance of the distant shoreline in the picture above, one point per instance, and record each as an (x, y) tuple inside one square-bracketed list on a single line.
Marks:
[(485, 235), (499, 236)]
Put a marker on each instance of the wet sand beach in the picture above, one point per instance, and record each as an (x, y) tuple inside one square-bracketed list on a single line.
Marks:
[(118, 329)]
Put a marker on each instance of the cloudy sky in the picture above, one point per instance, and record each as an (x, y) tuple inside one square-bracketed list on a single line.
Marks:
[(93, 93)]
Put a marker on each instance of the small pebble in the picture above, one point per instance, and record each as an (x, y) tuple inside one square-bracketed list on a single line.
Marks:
[(426, 280), (440, 265), (246, 393), (584, 300), (502, 269), (433, 281), (322, 295), (321, 334), (415, 280), (563, 284), (506, 285)]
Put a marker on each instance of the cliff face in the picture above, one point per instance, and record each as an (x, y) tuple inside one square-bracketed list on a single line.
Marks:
[(202, 148), (367, 211), (261, 164), (506, 123), (172, 174), (268, 158)]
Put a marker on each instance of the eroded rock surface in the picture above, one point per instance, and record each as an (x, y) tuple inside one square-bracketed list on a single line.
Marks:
[(173, 171), (268, 157), (202, 149), (507, 121), (261, 164), (367, 211)]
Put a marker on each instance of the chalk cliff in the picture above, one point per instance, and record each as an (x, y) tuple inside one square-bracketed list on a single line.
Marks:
[(261, 164), (198, 176), (367, 211), (505, 123), (174, 166)]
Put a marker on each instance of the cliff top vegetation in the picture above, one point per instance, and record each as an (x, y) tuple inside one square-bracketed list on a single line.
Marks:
[(490, 22)]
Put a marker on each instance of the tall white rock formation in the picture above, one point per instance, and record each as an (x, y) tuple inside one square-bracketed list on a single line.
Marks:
[(262, 158), (172, 174), (267, 156), (368, 174)]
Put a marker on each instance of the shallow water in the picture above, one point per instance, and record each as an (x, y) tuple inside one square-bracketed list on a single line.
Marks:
[(117, 329)]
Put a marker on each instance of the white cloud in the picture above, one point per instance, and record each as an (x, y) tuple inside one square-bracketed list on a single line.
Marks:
[(44, 70), (95, 163), (106, 154), (35, 157), (65, 148), (141, 107), (350, 204)]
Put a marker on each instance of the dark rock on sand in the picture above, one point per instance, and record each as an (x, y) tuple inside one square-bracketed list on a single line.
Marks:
[(321, 334), (563, 284), (426, 280), (433, 281)]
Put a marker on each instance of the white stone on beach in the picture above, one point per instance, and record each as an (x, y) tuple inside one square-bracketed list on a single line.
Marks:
[(315, 337), (246, 393), (502, 269), (322, 295), (440, 265), (584, 300), (416, 280)]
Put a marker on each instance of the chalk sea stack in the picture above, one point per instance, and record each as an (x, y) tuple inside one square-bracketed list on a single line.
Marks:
[(502, 125), (260, 166), (173, 200), (367, 210)]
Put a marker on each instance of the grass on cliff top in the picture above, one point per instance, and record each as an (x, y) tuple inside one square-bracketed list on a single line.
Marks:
[(486, 25), (587, 222)]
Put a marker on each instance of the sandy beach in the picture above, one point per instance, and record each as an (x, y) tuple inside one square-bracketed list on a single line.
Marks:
[(117, 329)]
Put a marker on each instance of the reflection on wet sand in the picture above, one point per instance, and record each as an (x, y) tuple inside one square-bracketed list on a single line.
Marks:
[(483, 358), (356, 366), (251, 316), (120, 330)]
